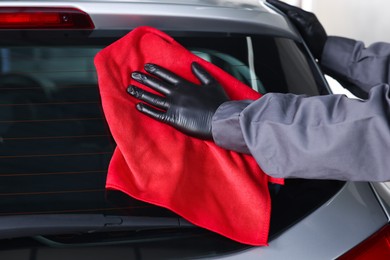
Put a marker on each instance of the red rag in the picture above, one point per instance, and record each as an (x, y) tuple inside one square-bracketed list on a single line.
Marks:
[(222, 191)]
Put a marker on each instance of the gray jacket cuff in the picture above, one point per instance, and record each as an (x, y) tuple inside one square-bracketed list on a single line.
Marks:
[(226, 127)]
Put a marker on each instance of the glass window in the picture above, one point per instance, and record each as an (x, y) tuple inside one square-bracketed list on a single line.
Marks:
[(55, 146)]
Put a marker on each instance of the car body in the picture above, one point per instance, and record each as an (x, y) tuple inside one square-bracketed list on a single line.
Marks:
[(55, 146)]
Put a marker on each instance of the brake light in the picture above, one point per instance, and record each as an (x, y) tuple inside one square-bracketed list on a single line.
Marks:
[(44, 18), (375, 247)]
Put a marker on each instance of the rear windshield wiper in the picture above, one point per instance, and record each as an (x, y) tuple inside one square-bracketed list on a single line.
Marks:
[(36, 225)]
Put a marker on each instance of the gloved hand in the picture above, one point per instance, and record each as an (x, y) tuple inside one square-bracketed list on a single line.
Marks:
[(307, 24), (186, 106)]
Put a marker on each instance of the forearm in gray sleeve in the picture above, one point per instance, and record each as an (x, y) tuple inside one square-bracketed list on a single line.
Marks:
[(350, 60), (322, 137)]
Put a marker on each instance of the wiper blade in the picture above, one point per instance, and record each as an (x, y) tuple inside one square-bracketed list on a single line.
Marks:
[(34, 225)]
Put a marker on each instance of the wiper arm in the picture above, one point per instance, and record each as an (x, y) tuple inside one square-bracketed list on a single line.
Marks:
[(34, 225)]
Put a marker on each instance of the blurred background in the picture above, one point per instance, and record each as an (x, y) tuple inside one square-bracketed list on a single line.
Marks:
[(368, 21)]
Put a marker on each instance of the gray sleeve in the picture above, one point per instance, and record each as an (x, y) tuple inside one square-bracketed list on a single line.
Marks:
[(351, 61), (322, 137)]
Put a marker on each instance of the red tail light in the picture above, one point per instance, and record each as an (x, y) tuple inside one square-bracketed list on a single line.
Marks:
[(44, 18), (375, 247)]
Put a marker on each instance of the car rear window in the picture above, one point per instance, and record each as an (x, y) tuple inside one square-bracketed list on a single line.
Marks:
[(55, 145)]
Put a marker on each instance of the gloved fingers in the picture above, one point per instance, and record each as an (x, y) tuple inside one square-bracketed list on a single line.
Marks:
[(163, 74), (204, 77), (151, 112), (283, 6), (299, 19), (302, 18), (147, 97), (152, 82)]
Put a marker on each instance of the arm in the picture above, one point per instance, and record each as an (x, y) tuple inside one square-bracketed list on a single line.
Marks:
[(357, 67), (351, 61), (322, 137)]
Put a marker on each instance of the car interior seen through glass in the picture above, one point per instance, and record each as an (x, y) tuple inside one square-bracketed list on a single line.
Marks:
[(55, 145)]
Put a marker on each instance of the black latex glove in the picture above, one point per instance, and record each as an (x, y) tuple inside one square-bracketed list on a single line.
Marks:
[(307, 24), (186, 106)]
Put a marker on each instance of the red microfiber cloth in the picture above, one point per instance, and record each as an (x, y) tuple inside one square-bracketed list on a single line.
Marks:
[(219, 190)]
